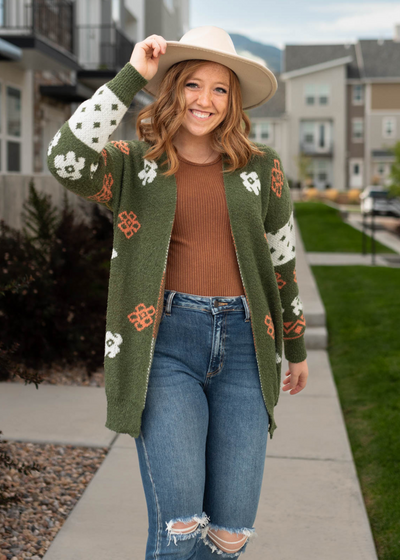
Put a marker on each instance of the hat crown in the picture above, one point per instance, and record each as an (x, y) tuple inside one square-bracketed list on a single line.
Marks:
[(209, 37)]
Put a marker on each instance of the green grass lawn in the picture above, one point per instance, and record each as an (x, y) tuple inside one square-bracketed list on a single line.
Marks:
[(322, 229), (362, 305)]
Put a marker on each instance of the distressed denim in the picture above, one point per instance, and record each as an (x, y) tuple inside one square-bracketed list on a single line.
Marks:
[(204, 432)]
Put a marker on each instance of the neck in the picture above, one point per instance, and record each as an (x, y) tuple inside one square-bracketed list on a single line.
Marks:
[(194, 148)]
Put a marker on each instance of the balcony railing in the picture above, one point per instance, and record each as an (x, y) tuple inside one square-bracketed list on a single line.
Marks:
[(102, 47), (312, 149), (51, 19)]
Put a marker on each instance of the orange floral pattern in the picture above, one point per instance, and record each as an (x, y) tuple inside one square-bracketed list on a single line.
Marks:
[(129, 223), (142, 316), (105, 194), (277, 178), (270, 325), (294, 327), (121, 145), (280, 281)]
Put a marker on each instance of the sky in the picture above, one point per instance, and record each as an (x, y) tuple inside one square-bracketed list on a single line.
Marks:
[(289, 22)]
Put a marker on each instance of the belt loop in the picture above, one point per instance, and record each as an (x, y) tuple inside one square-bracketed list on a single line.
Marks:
[(169, 303), (246, 308)]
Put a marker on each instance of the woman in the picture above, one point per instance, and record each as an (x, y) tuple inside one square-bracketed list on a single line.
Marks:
[(203, 288)]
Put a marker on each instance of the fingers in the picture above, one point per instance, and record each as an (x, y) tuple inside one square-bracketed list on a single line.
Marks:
[(295, 382), (157, 43)]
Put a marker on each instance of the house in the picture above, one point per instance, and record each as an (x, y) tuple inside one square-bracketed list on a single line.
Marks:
[(54, 54), (340, 107)]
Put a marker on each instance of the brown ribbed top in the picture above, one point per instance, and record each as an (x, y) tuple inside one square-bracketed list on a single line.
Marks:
[(201, 256)]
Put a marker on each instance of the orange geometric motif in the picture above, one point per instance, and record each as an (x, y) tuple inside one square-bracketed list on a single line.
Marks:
[(277, 178), (129, 224), (270, 325), (141, 317), (105, 194), (266, 238), (295, 327), (121, 145), (104, 154), (279, 280), (294, 274)]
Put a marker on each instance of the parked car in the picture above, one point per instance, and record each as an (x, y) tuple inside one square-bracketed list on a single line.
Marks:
[(376, 197)]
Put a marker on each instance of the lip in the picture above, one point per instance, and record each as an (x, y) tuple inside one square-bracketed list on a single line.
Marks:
[(200, 118)]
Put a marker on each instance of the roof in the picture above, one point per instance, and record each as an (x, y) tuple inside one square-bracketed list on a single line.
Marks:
[(380, 58), (296, 57), (274, 107)]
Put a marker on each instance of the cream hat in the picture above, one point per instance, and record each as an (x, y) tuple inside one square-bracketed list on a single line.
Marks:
[(257, 82)]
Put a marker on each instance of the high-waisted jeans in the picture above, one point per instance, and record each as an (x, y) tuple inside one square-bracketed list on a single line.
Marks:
[(204, 432)]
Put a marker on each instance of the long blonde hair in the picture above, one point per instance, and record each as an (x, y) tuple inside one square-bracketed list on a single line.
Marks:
[(167, 112)]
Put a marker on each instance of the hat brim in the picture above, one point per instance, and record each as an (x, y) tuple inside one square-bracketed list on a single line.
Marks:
[(257, 82)]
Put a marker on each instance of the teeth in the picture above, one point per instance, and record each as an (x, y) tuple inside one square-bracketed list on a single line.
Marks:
[(201, 115)]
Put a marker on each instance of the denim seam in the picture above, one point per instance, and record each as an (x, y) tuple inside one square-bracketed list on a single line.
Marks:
[(156, 552)]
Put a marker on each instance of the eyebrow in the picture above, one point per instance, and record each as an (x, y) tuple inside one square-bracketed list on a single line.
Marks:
[(200, 80)]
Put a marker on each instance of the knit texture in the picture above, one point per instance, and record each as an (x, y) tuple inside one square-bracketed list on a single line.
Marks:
[(201, 256), (143, 202)]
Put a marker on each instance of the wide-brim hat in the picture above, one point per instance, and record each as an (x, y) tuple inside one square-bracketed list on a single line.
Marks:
[(257, 82)]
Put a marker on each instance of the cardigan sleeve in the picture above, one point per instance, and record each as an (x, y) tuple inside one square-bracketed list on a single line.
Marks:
[(80, 156), (281, 237)]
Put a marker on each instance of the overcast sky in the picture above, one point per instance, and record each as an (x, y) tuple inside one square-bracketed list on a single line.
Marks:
[(281, 22)]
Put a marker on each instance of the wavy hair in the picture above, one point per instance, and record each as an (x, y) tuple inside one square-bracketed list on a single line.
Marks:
[(166, 114)]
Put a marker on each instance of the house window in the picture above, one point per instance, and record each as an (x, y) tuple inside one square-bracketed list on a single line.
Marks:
[(358, 94), (381, 168), (356, 169), (323, 94), (308, 132), (316, 92), (389, 127), (11, 129), (357, 130), (310, 93), (265, 133)]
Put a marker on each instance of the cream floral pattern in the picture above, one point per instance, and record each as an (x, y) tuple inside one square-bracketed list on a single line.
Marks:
[(93, 169), (251, 181), (278, 358), (297, 305), (114, 254), (54, 142), (149, 173), (69, 166), (113, 342)]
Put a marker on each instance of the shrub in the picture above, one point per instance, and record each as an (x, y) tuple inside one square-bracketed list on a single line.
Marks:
[(60, 316)]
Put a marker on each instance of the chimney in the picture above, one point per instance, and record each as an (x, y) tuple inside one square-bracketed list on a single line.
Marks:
[(396, 36)]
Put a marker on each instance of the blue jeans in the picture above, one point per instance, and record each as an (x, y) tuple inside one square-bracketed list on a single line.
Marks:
[(204, 430)]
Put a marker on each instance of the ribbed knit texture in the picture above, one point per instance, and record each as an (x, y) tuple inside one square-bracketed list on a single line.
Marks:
[(201, 257), (143, 201)]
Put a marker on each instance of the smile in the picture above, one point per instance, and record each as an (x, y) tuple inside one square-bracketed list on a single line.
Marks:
[(200, 115)]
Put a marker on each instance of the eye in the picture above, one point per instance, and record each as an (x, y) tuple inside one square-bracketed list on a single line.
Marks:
[(193, 84)]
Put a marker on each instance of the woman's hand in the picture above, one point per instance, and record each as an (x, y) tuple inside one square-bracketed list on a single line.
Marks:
[(296, 377), (145, 55)]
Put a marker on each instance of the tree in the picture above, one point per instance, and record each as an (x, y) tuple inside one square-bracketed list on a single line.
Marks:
[(394, 188)]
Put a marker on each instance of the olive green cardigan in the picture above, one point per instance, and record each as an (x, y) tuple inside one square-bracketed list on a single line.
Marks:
[(143, 201)]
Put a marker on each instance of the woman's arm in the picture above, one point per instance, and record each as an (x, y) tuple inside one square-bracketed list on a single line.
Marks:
[(280, 234), (79, 155)]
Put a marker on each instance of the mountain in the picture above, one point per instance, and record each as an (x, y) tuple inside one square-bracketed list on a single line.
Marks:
[(271, 55)]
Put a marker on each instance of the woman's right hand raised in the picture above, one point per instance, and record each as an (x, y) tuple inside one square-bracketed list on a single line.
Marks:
[(146, 55)]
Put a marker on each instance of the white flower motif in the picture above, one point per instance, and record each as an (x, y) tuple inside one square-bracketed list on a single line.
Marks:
[(54, 142), (251, 181), (149, 173), (93, 169), (69, 166), (113, 342), (278, 358), (297, 305), (114, 254)]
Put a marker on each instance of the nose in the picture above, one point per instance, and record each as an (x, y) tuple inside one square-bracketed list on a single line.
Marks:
[(204, 98)]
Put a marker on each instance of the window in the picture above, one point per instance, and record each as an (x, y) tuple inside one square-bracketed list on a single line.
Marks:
[(357, 130), (358, 94), (308, 132), (323, 94), (264, 127), (310, 92), (356, 169), (381, 168), (389, 127), (10, 129), (314, 93)]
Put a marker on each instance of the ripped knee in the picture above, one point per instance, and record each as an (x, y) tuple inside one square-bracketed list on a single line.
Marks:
[(186, 528), (225, 541)]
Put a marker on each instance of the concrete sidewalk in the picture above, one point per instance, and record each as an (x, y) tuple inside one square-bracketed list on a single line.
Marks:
[(311, 507)]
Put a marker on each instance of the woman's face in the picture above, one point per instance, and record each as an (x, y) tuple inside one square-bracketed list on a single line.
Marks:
[(206, 92)]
